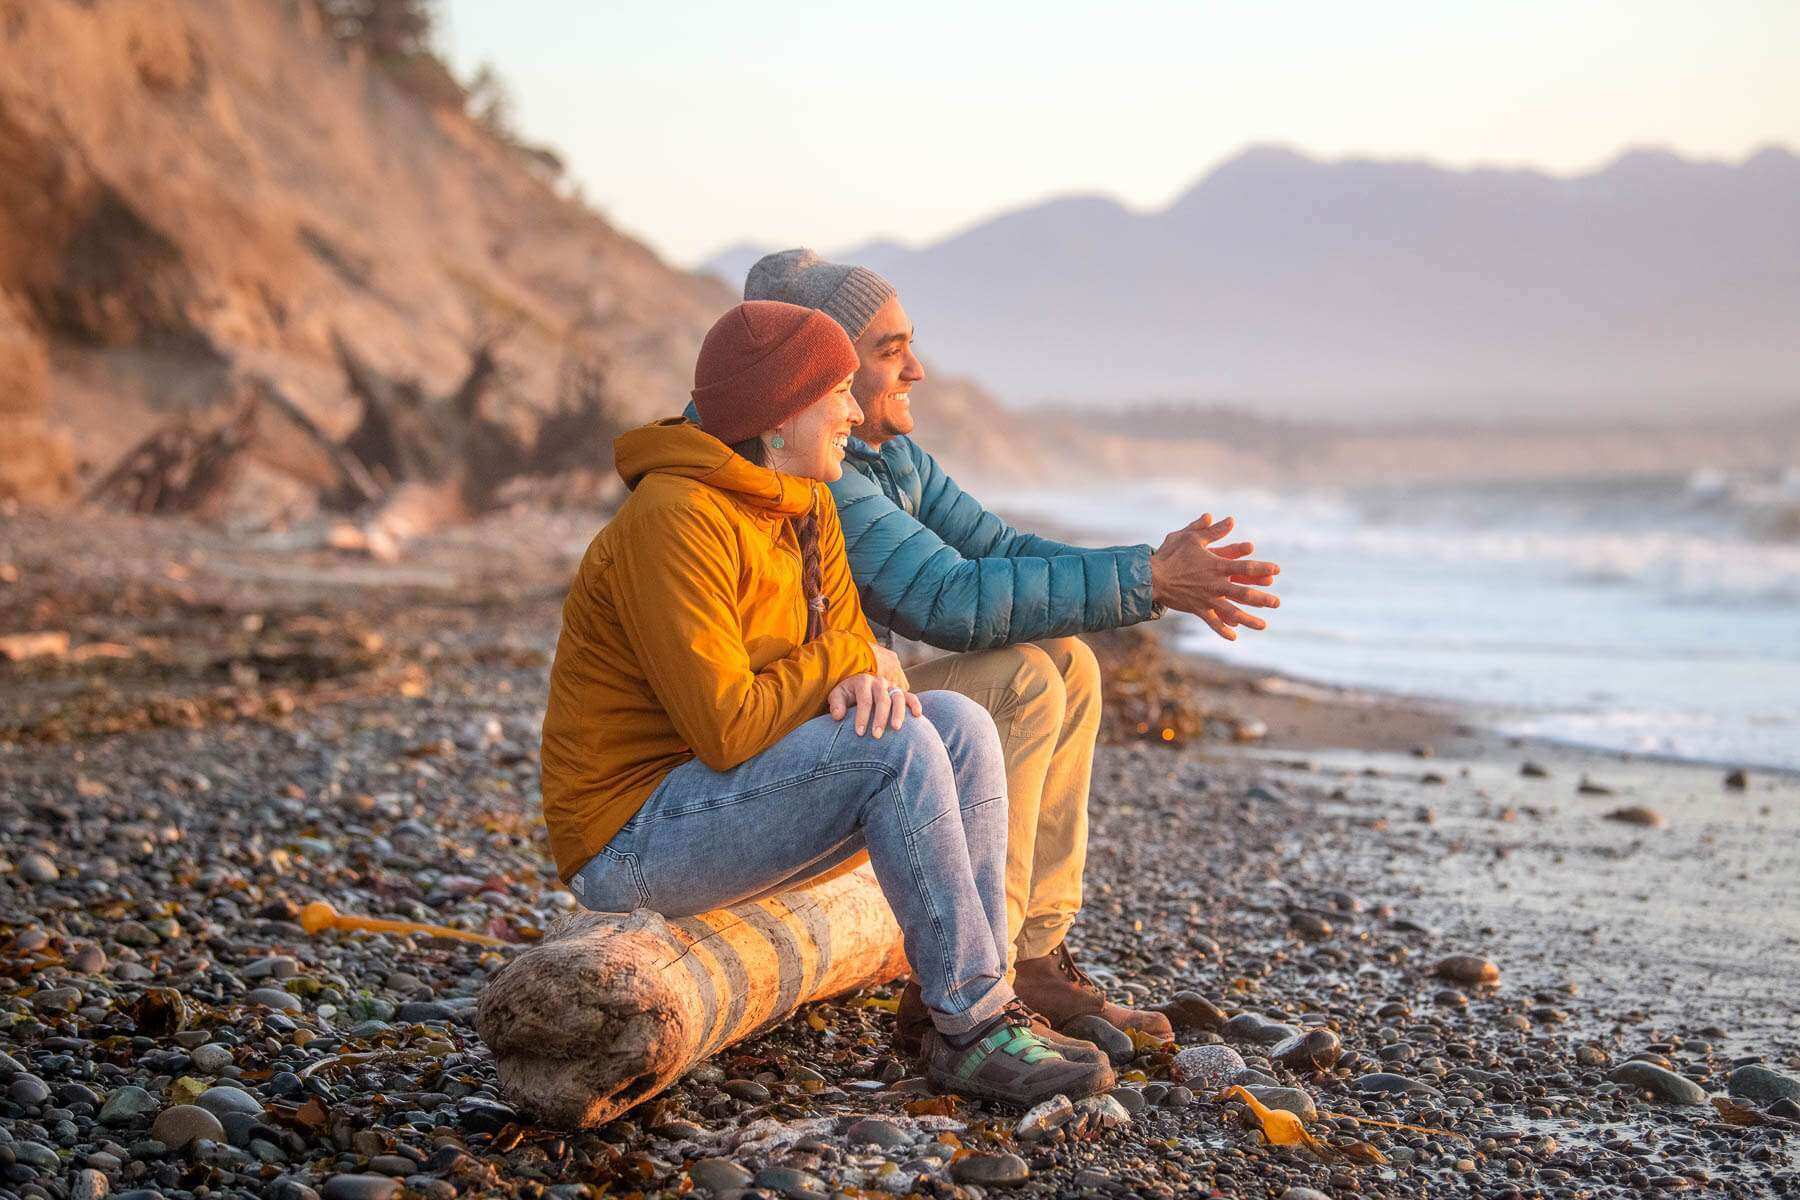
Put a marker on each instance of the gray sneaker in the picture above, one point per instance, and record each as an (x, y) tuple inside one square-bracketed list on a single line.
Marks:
[(1013, 1065), (912, 1019)]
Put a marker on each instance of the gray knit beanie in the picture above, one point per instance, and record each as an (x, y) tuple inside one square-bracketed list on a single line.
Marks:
[(848, 295)]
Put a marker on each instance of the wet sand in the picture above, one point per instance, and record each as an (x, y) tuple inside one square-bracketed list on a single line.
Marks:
[(1692, 920)]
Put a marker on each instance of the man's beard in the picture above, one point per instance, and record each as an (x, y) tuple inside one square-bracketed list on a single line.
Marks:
[(883, 424)]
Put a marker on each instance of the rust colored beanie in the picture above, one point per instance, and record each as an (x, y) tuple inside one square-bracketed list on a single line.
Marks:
[(764, 361)]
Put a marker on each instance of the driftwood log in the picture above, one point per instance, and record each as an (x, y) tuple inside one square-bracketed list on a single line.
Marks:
[(413, 463), (610, 1009)]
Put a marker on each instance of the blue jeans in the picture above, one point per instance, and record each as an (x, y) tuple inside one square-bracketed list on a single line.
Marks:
[(927, 801)]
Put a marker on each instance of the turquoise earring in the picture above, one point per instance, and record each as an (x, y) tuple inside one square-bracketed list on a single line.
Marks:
[(777, 442)]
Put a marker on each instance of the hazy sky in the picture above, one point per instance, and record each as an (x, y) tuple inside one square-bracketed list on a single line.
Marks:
[(695, 124)]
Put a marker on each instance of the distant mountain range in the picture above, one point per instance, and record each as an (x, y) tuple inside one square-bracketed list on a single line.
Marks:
[(1653, 287)]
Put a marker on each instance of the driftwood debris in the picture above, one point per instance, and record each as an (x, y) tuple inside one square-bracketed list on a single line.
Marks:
[(610, 1009), (412, 463), (179, 468)]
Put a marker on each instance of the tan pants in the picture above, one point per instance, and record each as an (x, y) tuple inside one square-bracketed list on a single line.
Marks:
[(1045, 700)]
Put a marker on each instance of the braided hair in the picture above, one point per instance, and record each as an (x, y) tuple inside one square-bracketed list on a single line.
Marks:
[(806, 532)]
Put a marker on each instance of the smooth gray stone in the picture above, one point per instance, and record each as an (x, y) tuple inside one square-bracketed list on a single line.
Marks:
[(991, 1170), (719, 1175), (37, 867), (1764, 1085), (1131, 1099), (286, 1188), (238, 1127), (1667, 1085), (874, 1131), (126, 1105), (1257, 1029), (211, 1057), (1207, 1068), (362, 1187), (275, 998), (224, 1099), (181, 1124), (1384, 1083), (793, 1183), (29, 1090)]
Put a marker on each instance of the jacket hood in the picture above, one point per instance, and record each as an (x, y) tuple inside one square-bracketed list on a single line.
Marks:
[(677, 446)]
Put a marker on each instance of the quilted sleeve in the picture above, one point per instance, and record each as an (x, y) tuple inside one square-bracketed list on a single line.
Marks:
[(919, 577)]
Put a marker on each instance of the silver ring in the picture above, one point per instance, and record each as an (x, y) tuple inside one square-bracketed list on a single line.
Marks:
[(896, 691)]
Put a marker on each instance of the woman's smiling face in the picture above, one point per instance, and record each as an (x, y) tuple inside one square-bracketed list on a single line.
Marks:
[(813, 438)]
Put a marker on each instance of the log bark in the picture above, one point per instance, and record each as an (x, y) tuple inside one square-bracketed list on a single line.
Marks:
[(610, 1009)]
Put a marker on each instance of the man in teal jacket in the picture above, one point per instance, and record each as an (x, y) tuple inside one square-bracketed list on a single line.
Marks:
[(932, 564)]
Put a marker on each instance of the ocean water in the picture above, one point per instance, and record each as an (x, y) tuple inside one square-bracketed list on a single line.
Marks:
[(1653, 614)]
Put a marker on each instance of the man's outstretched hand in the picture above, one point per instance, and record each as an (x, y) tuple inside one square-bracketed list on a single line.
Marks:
[(1189, 573)]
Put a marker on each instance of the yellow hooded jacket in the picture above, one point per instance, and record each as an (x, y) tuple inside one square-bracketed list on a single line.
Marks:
[(683, 635)]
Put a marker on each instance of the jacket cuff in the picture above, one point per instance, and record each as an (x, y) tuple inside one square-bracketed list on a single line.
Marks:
[(1135, 600), (861, 654)]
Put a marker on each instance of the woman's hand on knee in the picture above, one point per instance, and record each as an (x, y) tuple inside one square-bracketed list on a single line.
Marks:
[(887, 665), (879, 705)]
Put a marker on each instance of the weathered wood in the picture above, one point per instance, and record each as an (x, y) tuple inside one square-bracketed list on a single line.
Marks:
[(178, 468), (413, 463), (352, 486), (610, 1009)]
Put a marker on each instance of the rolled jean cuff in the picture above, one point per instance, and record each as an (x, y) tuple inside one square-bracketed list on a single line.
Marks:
[(982, 1011)]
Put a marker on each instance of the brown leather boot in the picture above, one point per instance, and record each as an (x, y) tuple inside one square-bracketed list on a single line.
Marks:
[(1053, 985), (912, 1019)]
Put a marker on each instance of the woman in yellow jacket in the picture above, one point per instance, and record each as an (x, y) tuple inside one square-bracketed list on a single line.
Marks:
[(723, 726)]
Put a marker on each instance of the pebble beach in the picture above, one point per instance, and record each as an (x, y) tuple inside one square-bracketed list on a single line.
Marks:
[(1472, 965)]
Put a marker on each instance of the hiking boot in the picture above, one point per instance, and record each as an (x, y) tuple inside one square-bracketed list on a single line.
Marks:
[(912, 1019), (1011, 1064), (1053, 985)]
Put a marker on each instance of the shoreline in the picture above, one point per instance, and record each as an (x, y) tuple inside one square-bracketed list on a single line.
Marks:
[(1463, 723), (272, 728)]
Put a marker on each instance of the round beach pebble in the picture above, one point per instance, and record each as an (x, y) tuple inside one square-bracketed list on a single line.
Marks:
[(1206, 1068), (275, 998), (181, 1124), (1764, 1085), (1467, 968), (1315, 1050), (38, 868), (211, 1058), (362, 1187), (991, 1170), (1665, 1085)]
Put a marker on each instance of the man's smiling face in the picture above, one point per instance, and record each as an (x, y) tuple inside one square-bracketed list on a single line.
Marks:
[(885, 374)]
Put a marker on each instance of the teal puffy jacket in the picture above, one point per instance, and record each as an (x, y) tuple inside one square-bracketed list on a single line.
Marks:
[(933, 565)]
